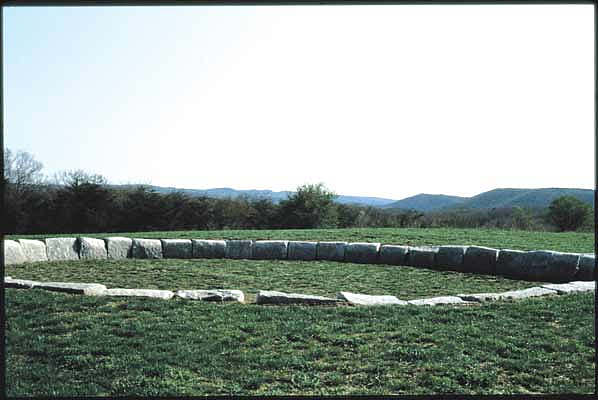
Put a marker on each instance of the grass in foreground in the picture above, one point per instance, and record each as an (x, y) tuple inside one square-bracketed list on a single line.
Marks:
[(323, 278), (66, 345), (496, 238)]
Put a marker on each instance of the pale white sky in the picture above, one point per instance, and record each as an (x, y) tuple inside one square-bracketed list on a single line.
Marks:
[(386, 101)]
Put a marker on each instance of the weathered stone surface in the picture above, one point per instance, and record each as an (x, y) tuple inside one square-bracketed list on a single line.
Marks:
[(450, 258), (525, 293), (177, 248), (393, 255), (422, 257), (302, 250), (362, 253), (480, 260), (90, 289), (479, 297), (541, 265), (119, 247), (62, 249), (270, 249), (212, 295), (34, 250), (587, 268), (19, 283), (367, 300), (433, 301), (209, 248), (273, 297), (13, 253), (147, 248), (239, 249), (92, 249), (159, 294), (331, 251), (576, 286)]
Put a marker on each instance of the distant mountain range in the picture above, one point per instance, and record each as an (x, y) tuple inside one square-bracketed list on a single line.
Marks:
[(496, 198)]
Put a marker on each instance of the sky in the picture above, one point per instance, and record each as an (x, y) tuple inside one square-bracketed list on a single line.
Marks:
[(371, 100)]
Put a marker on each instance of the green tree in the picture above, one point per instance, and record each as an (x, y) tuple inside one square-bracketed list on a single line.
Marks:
[(568, 213), (312, 206)]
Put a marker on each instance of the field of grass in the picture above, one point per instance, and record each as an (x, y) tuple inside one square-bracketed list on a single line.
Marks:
[(68, 345), (499, 239)]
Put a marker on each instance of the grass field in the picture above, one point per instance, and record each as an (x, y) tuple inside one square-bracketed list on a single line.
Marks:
[(68, 345)]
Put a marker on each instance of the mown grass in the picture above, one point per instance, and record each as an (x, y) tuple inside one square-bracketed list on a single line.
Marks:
[(250, 276), (66, 345), (496, 238)]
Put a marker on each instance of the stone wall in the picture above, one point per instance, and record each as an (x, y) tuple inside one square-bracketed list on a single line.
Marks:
[(544, 265)]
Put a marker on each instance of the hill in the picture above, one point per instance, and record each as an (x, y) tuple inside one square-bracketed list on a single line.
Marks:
[(427, 202)]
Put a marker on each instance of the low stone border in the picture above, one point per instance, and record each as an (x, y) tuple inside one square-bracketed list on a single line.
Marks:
[(274, 297), (537, 265)]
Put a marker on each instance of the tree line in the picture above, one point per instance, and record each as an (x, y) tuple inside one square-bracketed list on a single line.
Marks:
[(80, 202)]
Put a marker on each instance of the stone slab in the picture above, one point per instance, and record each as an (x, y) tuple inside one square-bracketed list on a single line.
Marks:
[(510, 263), (526, 293), (539, 265), (19, 283), (92, 249), (575, 286), (119, 247), (450, 258), (34, 250), (212, 295), (434, 301), (239, 249), (208, 248), (422, 256), (154, 293), (480, 260), (393, 255), (147, 248), (330, 251), (13, 253), (368, 300), (302, 250), (479, 297), (362, 253), (90, 289), (273, 297), (177, 248), (60, 249), (270, 249), (587, 268)]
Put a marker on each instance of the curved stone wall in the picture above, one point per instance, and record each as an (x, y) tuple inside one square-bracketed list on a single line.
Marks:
[(543, 265)]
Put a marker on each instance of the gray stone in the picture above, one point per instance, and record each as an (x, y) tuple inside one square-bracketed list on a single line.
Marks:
[(541, 265), (62, 249), (302, 250), (393, 255), (176, 248), (239, 249), (119, 247), (92, 249), (212, 295), (480, 260), (367, 300), (450, 258), (90, 289), (510, 263), (525, 293), (19, 283), (587, 268), (331, 251), (479, 297), (433, 301), (147, 248), (576, 286), (158, 294), (34, 250), (13, 253), (422, 257), (362, 253), (270, 249), (209, 248), (273, 297)]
